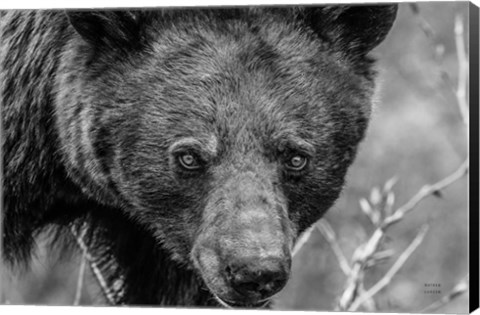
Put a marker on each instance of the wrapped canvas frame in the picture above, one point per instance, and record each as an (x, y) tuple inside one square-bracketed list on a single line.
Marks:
[(377, 208)]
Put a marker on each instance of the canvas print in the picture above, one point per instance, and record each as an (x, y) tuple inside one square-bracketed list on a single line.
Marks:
[(289, 157)]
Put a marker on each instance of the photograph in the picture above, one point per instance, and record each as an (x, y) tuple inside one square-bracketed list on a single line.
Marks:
[(293, 157)]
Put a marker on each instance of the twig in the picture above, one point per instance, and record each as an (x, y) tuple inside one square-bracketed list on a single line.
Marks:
[(424, 192), (458, 290), (387, 278), (327, 231), (81, 276), (369, 305), (302, 240), (324, 227), (461, 91), (360, 258), (96, 270)]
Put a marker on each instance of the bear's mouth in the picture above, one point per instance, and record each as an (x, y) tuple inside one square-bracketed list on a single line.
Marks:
[(231, 304)]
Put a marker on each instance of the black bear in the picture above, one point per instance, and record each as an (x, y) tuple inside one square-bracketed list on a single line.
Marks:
[(186, 148)]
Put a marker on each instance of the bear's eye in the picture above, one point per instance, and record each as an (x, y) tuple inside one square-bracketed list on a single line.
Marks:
[(296, 163), (189, 161)]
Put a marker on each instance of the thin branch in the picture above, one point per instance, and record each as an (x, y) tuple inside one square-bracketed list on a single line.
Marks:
[(302, 240), (360, 258), (461, 91), (324, 227), (387, 278), (81, 276), (96, 270), (424, 192), (369, 305), (457, 291)]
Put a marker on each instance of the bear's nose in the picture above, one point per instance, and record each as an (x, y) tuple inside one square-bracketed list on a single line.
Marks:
[(257, 280)]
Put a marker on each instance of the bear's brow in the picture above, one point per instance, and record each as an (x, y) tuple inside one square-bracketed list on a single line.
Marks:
[(290, 141), (207, 145)]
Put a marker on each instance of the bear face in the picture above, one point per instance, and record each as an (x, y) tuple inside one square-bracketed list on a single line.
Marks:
[(224, 137), (224, 133)]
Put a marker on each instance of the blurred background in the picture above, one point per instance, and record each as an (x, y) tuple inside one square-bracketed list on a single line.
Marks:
[(416, 134)]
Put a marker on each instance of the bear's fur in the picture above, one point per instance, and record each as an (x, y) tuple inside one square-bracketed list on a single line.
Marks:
[(191, 146)]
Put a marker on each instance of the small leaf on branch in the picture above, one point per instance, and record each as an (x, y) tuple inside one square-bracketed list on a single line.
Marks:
[(375, 196), (389, 184), (379, 257), (388, 209), (366, 207), (383, 254), (372, 213)]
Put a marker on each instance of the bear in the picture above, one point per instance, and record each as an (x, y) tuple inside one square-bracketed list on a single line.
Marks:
[(185, 149)]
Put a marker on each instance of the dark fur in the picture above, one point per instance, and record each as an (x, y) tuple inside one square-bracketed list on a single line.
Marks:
[(92, 103)]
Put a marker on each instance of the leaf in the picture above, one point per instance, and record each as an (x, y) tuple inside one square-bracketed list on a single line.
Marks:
[(388, 208), (386, 254), (372, 213), (389, 184), (375, 196), (365, 206)]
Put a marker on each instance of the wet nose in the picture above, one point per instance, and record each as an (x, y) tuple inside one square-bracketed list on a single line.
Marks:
[(258, 279)]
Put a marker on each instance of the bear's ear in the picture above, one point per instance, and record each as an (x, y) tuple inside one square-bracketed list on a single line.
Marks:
[(353, 29), (113, 29)]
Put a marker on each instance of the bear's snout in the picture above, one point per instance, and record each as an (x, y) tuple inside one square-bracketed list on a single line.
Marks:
[(243, 250), (255, 278), (242, 272)]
